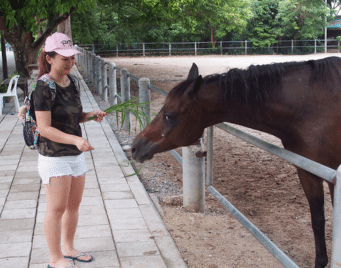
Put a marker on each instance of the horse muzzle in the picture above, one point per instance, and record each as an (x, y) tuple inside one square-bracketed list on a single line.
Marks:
[(142, 149)]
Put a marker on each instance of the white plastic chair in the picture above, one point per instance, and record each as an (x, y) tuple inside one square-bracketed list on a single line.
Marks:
[(11, 92)]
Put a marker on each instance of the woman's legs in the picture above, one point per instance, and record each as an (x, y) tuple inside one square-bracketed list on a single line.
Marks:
[(70, 217), (57, 196)]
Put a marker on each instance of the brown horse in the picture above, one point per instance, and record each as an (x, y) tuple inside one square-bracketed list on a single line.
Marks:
[(298, 102)]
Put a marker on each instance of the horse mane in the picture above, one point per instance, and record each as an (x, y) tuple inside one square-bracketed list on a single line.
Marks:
[(257, 83)]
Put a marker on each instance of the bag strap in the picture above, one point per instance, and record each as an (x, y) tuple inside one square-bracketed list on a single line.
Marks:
[(76, 82), (47, 79)]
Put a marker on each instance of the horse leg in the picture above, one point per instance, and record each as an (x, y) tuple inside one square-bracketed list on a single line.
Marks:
[(313, 188)]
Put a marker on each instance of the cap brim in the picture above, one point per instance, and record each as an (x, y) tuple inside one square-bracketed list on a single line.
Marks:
[(67, 52)]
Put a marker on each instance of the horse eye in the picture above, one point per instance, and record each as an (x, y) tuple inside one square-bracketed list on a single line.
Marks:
[(167, 117)]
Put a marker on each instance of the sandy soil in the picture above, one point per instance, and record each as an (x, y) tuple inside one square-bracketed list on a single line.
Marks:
[(263, 187)]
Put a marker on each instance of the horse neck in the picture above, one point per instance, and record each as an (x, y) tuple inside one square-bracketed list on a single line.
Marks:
[(268, 117)]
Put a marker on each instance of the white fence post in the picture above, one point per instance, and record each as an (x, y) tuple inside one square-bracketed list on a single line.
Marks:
[(195, 48), (209, 178), (93, 73), (84, 61), (99, 75), (144, 97), (112, 84), (245, 47), (86, 71), (193, 174), (104, 80), (170, 49), (89, 63), (125, 95), (336, 251)]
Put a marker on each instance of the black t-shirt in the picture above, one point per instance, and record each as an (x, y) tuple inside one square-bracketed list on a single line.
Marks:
[(66, 113)]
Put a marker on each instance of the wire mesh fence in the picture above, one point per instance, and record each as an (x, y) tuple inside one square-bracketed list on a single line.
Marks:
[(244, 47)]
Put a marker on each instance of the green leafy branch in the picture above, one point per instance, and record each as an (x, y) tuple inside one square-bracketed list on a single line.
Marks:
[(124, 108)]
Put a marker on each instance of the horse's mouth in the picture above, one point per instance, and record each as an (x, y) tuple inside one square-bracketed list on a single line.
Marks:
[(141, 157), (142, 151)]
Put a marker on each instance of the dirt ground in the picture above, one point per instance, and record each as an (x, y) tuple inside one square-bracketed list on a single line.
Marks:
[(263, 187)]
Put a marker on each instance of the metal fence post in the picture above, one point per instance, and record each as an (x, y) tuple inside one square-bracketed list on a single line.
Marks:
[(315, 45), (144, 97), (292, 47), (193, 174), (336, 251), (245, 47), (83, 60), (86, 58), (170, 49), (112, 84), (209, 178), (104, 80), (144, 49), (98, 76), (89, 63), (80, 58), (195, 48), (125, 95), (86, 63), (94, 70)]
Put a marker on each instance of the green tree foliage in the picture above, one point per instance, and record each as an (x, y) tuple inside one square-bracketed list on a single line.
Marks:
[(161, 20), (301, 19), (262, 28), (211, 19), (29, 22)]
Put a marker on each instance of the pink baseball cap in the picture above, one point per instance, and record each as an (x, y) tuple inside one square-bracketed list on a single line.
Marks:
[(60, 43)]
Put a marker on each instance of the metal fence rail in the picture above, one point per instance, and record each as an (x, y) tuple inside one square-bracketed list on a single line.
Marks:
[(262, 238), (219, 47), (313, 167)]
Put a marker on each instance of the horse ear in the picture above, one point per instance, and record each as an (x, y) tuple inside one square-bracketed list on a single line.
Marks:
[(194, 90), (193, 72)]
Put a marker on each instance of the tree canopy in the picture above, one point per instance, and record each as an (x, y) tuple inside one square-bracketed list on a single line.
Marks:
[(27, 23), (262, 22)]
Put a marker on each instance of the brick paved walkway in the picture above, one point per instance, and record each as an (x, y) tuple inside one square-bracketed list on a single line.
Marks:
[(118, 223)]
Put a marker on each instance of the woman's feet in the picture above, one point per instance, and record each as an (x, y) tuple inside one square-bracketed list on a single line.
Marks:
[(61, 263), (75, 255)]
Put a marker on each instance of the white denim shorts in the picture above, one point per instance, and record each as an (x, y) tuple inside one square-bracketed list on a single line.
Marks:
[(49, 167)]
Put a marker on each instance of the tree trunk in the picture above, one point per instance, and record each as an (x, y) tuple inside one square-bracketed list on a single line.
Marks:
[(65, 27), (4, 58), (212, 37), (25, 52)]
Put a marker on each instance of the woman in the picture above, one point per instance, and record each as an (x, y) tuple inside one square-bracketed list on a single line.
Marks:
[(61, 161)]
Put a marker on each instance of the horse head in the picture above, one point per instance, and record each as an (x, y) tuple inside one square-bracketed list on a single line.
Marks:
[(178, 123)]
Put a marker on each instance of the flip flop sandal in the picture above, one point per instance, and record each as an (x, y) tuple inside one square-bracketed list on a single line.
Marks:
[(76, 258)]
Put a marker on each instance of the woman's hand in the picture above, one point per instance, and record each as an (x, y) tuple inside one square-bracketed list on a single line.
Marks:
[(83, 145), (99, 115)]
